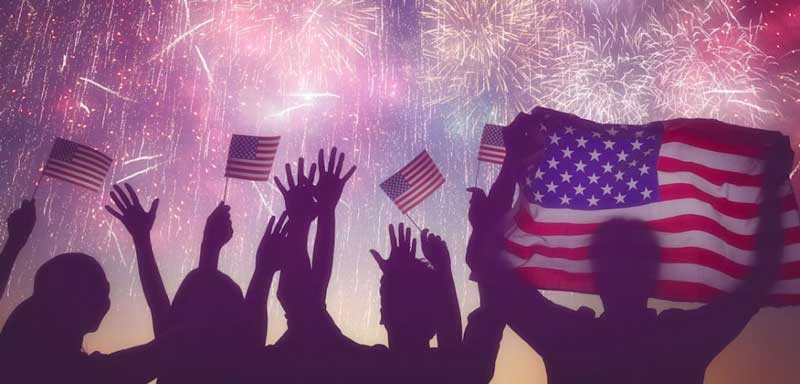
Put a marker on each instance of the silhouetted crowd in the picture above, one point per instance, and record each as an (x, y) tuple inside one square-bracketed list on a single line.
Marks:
[(212, 332)]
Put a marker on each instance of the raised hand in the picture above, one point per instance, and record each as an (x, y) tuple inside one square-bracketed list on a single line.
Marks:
[(130, 212), (21, 222), (219, 229), (273, 246), (329, 187), (403, 248), (435, 250), (522, 139), (301, 206)]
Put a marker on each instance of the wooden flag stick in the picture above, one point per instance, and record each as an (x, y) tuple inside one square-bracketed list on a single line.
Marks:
[(36, 187), (413, 222), (477, 173), (225, 192)]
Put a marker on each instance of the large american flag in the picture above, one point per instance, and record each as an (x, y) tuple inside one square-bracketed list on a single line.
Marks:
[(697, 183), (413, 183), (251, 157), (492, 149), (77, 164)]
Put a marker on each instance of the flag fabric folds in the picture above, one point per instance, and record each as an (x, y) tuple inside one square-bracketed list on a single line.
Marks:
[(77, 164), (697, 183), (251, 157), (492, 148), (413, 183)]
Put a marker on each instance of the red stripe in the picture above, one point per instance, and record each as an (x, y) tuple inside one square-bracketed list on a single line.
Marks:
[(420, 183), (413, 163), (490, 160), (100, 156), (420, 172), (243, 177), (72, 171), (423, 194), (782, 299), (715, 176), (494, 150), (525, 252), (789, 271), (78, 168), (90, 164), (553, 279), (685, 291), (268, 161), (717, 136), (729, 208), (93, 187), (242, 170)]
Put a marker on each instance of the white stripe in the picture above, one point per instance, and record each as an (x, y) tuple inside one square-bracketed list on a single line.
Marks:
[(62, 166), (426, 171), (269, 160), (96, 155), (229, 173), (786, 286), (421, 181), (656, 211), (732, 192), (73, 180), (428, 188), (257, 168), (698, 239), (712, 159)]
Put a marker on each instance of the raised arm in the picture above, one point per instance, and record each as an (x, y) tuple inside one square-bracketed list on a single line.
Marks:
[(328, 192), (448, 328), (217, 232), (271, 251), (139, 223), (20, 226)]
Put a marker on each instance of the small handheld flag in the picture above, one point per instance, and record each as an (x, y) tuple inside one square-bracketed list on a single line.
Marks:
[(77, 164), (492, 149), (413, 183), (251, 157)]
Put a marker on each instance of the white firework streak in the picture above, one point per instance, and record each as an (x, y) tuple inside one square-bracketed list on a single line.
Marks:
[(106, 89), (137, 173), (284, 112), (142, 158), (85, 107), (205, 65), (180, 38), (314, 95)]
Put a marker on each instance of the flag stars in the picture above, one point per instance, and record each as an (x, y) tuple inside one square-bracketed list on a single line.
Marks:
[(609, 144), (538, 197), (569, 130), (612, 131), (644, 169), (565, 199), (619, 198), (622, 156), (638, 134), (539, 174), (580, 166), (607, 167), (567, 153), (632, 184), (593, 201), (579, 189), (552, 163), (619, 175), (554, 139), (637, 145), (606, 189), (582, 142), (551, 187), (595, 156), (648, 152), (566, 177), (593, 179), (646, 192), (542, 127), (596, 135)]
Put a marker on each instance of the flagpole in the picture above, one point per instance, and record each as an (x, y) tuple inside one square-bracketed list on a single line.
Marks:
[(412, 221), (36, 187), (477, 173), (225, 192)]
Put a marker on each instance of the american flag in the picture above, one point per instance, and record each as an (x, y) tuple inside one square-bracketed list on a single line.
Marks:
[(77, 164), (251, 157), (492, 149), (415, 182), (697, 183)]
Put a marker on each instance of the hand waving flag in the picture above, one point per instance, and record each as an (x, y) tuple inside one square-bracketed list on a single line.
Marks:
[(413, 183), (77, 164)]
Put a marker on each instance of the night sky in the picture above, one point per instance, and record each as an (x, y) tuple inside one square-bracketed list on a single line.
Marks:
[(161, 85)]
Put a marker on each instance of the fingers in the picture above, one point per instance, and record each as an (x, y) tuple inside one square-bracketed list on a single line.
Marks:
[(392, 237), (332, 160), (413, 254), (117, 201), (349, 173), (289, 177), (280, 186), (301, 177), (378, 259), (127, 203), (339, 164), (154, 208), (282, 226), (401, 236), (312, 171), (321, 160), (270, 224), (132, 193), (113, 212)]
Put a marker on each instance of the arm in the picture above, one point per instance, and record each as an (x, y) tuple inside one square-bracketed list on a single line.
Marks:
[(139, 223), (449, 324), (20, 226), (328, 192), (268, 261), (218, 232)]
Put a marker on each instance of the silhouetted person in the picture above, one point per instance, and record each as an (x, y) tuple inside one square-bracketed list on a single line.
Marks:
[(42, 340), (630, 343), (220, 325), (20, 225)]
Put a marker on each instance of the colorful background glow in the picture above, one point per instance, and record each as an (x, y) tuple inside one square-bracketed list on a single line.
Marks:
[(160, 85)]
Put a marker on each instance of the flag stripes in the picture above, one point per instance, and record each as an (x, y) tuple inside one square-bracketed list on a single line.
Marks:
[(77, 164), (251, 157), (413, 183)]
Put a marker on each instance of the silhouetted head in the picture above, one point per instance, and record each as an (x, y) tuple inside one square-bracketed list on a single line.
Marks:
[(207, 299), (625, 257), (70, 299), (408, 304)]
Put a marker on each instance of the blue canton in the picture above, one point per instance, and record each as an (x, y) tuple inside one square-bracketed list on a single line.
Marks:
[(589, 166), (63, 150), (395, 186), (243, 147)]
